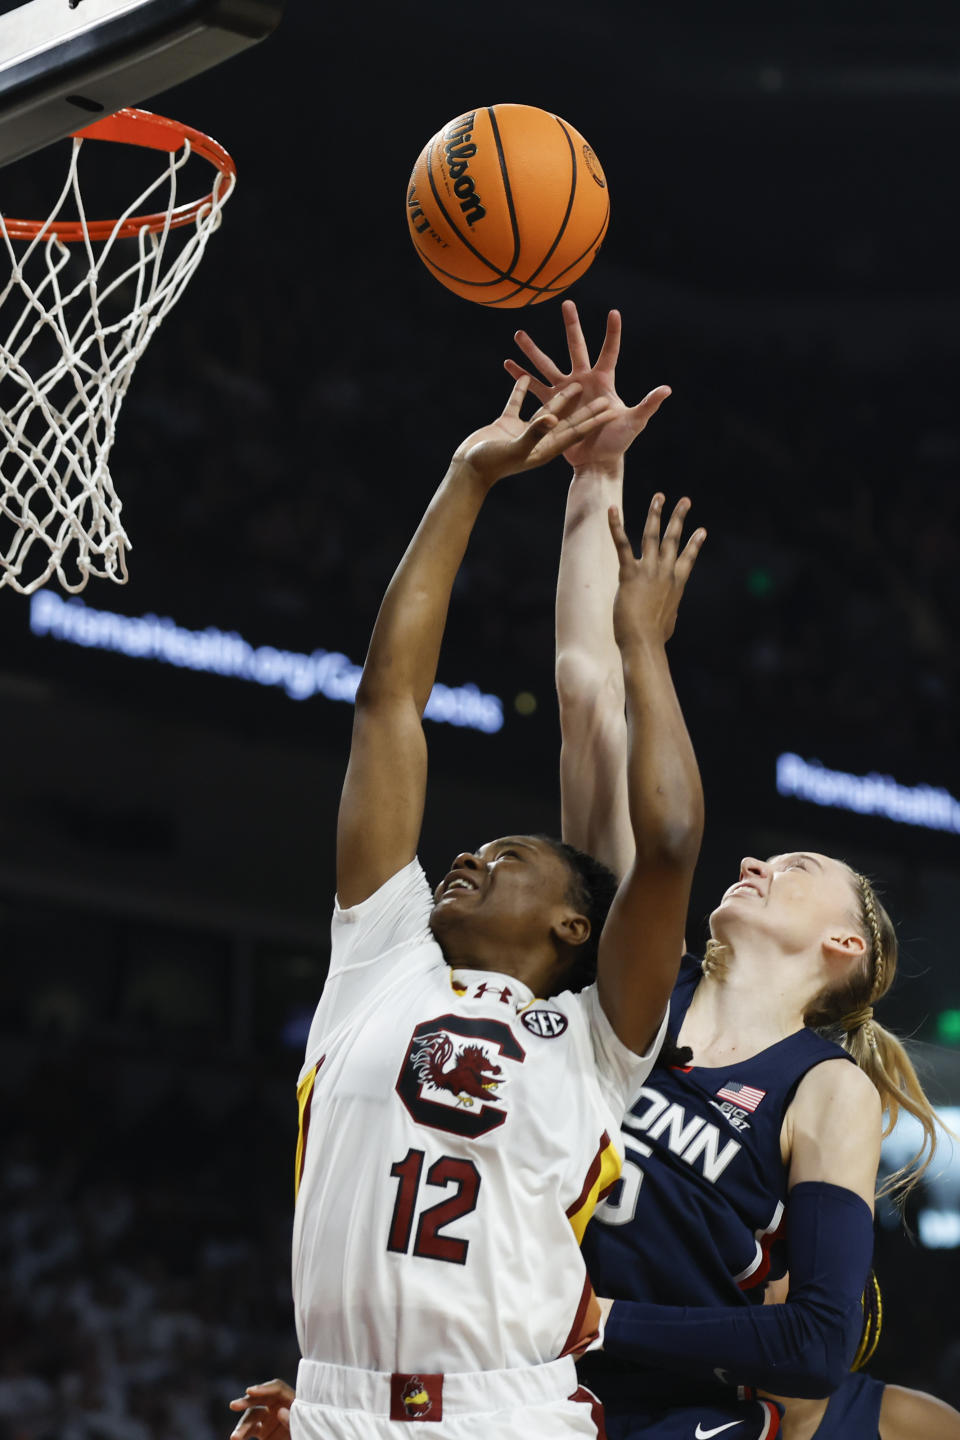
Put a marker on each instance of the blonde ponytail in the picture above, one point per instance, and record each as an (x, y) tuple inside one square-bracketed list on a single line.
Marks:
[(882, 1057), (846, 1014)]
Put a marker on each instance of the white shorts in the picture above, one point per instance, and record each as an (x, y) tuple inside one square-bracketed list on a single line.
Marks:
[(539, 1402)]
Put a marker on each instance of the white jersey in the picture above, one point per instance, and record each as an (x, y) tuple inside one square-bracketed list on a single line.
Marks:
[(455, 1136)]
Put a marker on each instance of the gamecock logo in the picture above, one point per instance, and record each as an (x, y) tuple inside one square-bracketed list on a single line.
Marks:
[(471, 1077), (465, 1078)]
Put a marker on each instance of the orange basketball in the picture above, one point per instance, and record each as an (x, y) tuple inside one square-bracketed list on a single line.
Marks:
[(507, 205)]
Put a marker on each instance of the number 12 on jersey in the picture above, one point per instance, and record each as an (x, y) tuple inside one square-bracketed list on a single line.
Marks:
[(429, 1243)]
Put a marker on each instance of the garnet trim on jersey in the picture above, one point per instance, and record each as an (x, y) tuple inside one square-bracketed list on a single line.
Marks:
[(586, 1323), (583, 1396), (468, 1121), (603, 1174)]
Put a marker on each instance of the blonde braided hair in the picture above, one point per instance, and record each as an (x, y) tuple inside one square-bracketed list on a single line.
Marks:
[(863, 1017)]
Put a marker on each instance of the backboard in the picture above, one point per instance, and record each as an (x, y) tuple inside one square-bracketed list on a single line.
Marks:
[(64, 63)]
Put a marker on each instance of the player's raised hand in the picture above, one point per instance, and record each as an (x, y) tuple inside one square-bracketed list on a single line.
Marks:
[(266, 1411), (606, 443), (511, 444), (650, 588)]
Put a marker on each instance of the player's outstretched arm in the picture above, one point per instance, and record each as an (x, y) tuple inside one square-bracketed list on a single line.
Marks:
[(381, 807), (589, 675), (642, 939)]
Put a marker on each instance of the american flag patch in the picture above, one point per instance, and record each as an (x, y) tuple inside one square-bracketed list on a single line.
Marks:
[(746, 1097)]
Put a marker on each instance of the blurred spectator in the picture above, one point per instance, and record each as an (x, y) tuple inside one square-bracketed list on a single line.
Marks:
[(146, 1270)]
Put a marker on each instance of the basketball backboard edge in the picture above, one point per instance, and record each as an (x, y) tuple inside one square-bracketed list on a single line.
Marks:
[(63, 63)]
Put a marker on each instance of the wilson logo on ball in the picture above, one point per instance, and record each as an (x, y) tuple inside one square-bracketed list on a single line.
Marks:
[(459, 151)]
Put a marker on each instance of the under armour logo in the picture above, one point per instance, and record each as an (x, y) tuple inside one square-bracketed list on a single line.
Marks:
[(484, 989)]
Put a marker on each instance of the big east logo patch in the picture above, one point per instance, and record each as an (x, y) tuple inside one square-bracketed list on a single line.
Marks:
[(452, 1076)]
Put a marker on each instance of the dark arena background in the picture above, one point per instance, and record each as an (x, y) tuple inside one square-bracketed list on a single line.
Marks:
[(783, 247)]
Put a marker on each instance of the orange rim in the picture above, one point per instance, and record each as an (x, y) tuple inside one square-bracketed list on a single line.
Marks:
[(152, 132)]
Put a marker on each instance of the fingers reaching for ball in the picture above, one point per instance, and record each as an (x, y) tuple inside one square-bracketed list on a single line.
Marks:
[(650, 587), (537, 387), (561, 422), (610, 349), (512, 445), (551, 373), (624, 423)]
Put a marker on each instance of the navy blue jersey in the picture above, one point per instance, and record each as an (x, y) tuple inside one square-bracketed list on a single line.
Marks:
[(696, 1214), (733, 1419), (854, 1410)]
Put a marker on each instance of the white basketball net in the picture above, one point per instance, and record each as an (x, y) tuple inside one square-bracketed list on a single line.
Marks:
[(74, 320)]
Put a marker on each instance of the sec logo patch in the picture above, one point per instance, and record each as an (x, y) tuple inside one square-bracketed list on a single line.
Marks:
[(545, 1023)]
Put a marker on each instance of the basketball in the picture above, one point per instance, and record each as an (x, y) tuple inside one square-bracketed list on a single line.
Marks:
[(507, 205)]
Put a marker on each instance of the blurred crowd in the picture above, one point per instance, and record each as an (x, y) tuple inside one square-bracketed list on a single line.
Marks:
[(145, 1254)]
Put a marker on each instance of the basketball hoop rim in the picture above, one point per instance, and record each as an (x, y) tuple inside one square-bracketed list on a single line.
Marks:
[(151, 132)]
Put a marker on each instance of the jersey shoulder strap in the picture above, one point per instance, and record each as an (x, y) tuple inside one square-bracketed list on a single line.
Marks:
[(691, 973)]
